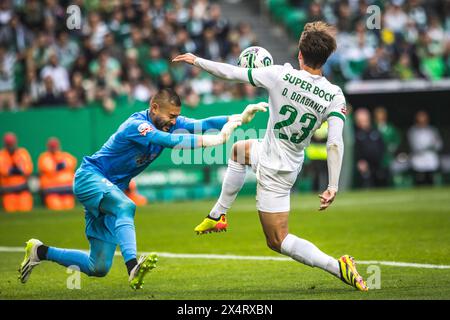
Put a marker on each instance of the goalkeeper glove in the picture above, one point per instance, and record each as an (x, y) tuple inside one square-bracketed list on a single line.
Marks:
[(214, 140), (251, 109)]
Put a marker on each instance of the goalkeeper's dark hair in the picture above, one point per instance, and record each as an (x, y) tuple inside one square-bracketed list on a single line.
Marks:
[(317, 43), (166, 96)]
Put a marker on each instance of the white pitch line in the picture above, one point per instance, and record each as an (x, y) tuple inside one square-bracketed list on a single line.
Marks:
[(264, 258)]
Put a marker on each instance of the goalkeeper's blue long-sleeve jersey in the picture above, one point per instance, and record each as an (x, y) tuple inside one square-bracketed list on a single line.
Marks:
[(137, 142)]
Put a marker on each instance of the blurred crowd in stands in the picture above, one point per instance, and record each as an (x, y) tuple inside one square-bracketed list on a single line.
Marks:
[(122, 49), (381, 154), (413, 40), (377, 144)]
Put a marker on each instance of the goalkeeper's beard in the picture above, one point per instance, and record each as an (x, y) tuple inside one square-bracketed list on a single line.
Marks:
[(162, 125)]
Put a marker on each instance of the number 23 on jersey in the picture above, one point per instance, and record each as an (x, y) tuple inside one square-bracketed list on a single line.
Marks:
[(307, 119)]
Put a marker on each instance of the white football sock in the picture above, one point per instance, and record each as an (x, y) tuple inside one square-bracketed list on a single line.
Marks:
[(233, 181), (307, 253)]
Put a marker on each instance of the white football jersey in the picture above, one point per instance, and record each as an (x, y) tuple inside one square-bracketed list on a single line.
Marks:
[(299, 103)]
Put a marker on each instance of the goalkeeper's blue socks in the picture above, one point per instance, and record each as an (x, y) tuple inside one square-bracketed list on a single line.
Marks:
[(68, 257)]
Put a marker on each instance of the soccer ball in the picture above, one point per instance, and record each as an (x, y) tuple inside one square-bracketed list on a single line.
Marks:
[(255, 57)]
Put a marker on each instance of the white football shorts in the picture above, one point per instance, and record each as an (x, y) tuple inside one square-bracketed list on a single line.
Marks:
[(273, 188)]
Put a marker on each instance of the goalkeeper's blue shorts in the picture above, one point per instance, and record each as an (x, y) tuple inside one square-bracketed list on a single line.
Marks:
[(91, 188)]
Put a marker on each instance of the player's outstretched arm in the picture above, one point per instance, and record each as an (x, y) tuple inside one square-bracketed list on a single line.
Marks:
[(335, 152), (188, 140), (218, 69), (203, 125)]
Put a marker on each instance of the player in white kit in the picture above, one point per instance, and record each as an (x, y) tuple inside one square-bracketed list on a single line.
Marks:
[(299, 102)]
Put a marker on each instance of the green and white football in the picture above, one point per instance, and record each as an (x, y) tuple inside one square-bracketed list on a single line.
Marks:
[(255, 57)]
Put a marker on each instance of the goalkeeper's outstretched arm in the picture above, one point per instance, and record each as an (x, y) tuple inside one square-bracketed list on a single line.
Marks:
[(192, 141)]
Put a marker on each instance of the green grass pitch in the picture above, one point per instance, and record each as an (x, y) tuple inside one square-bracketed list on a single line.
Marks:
[(404, 226)]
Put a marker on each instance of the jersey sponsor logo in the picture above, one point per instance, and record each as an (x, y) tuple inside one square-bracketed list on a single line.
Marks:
[(145, 158), (144, 128)]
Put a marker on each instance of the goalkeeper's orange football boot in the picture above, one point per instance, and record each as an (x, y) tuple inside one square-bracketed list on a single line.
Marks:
[(350, 275), (210, 224)]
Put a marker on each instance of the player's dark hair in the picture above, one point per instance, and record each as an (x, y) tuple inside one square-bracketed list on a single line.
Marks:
[(166, 95), (317, 43)]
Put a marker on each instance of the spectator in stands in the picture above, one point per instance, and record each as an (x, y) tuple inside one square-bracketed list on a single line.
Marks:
[(179, 71), (77, 87), (369, 152), (389, 133), (395, 18), (344, 15), (15, 168), (57, 73), (219, 24), (15, 35), (32, 90), (403, 69), (72, 99), (106, 68), (33, 14), (425, 143), (49, 96), (56, 170), (218, 93), (246, 36), (7, 92), (166, 81), (356, 57), (95, 30), (104, 83), (154, 64), (80, 65), (200, 81), (6, 12), (66, 50), (212, 49), (115, 51), (39, 52), (315, 12), (245, 91), (233, 55), (417, 13), (379, 66)]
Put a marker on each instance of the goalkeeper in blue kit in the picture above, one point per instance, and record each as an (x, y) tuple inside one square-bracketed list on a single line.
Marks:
[(101, 179)]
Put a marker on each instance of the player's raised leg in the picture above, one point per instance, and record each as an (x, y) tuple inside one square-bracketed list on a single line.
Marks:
[(96, 263), (275, 227), (233, 181)]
